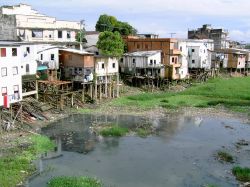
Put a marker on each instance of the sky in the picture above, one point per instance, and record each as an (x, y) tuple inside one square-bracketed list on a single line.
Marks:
[(154, 16)]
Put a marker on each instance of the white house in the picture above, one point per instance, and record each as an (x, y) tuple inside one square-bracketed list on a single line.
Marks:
[(198, 53), (106, 66), (183, 60), (11, 78), (142, 63), (21, 22)]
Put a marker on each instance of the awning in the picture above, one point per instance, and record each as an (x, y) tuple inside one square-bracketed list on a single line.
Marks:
[(40, 68)]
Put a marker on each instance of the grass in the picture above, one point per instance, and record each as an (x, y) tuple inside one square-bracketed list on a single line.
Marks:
[(143, 132), (114, 130), (224, 156), (74, 182), (17, 166), (241, 174), (233, 93)]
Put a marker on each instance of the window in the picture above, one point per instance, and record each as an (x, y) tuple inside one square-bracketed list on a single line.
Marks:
[(4, 72), (176, 60), (239, 63), (68, 35), (102, 65), (27, 68), (15, 70), (113, 65), (28, 49), (41, 56), (193, 50), (173, 59), (14, 51), (4, 91), (37, 34), (151, 62), (3, 52), (154, 61), (16, 92), (59, 34), (133, 61), (52, 57), (180, 48), (193, 61), (121, 60), (138, 46)]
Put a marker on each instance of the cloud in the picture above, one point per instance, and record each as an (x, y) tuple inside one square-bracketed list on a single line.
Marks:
[(240, 36)]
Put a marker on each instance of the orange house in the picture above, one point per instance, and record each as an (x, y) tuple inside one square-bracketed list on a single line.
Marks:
[(76, 65), (170, 53)]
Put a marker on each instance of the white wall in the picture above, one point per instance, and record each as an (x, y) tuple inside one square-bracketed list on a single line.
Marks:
[(28, 59), (44, 53), (183, 60), (108, 66), (11, 80)]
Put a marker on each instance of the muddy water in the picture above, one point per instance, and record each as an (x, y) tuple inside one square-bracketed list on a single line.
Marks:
[(181, 153)]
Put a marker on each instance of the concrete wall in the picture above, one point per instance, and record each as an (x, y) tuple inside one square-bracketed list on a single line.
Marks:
[(28, 59), (8, 28), (108, 69), (13, 78)]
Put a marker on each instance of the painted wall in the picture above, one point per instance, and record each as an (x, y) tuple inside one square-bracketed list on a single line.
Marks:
[(12, 81), (106, 66)]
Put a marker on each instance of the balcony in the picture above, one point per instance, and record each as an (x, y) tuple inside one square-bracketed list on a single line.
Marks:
[(175, 52)]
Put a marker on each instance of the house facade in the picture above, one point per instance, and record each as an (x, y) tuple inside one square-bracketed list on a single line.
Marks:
[(169, 52), (142, 63), (11, 77), (26, 24), (76, 65), (197, 54), (220, 36)]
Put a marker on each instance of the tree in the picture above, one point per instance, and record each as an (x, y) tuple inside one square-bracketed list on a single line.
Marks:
[(110, 23), (105, 23), (80, 36), (110, 44)]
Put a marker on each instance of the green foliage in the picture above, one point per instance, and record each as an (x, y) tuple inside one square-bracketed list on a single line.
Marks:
[(114, 130), (80, 36), (17, 166), (105, 23), (143, 132), (110, 44), (241, 174), (224, 156), (74, 182), (111, 24)]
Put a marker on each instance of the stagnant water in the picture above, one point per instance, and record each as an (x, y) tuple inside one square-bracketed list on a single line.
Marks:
[(181, 154)]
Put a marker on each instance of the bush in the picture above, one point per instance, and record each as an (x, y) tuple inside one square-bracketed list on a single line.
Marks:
[(242, 174)]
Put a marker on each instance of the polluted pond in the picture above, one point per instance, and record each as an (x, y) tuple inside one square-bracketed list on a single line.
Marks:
[(127, 151)]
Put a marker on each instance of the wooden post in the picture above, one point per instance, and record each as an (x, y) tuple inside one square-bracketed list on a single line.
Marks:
[(37, 97), (72, 99), (106, 86), (61, 102), (117, 85), (95, 90), (21, 114), (83, 92), (91, 91), (100, 90), (110, 89)]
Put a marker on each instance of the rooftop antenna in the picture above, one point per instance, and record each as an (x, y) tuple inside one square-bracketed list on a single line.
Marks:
[(171, 34)]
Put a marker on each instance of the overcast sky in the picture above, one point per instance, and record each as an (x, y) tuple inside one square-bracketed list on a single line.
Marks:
[(154, 16)]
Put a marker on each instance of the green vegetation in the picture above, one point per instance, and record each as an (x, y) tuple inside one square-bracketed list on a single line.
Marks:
[(233, 93), (15, 167), (242, 174), (110, 44), (74, 182), (114, 130), (224, 156), (143, 132), (111, 24)]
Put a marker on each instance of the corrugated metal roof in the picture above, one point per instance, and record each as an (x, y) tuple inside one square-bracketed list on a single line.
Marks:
[(77, 51), (142, 53)]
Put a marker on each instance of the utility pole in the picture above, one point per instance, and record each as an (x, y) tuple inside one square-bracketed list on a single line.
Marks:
[(171, 34), (82, 25)]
